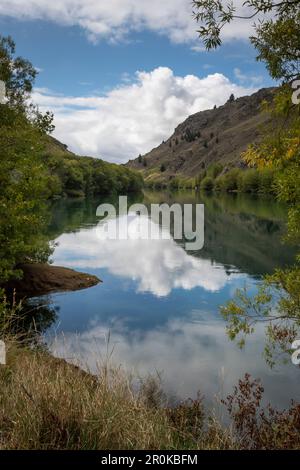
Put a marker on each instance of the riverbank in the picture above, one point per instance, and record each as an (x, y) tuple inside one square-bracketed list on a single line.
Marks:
[(49, 404), (41, 279)]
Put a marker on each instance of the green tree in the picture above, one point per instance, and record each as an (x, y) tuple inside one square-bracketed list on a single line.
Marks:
[(24, 186), (17, 73), (277, 304), (277, 40), (23, 179)]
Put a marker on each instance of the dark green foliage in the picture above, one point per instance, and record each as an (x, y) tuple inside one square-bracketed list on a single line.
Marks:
[(214, 170), (278, 44), (256, 181), (174, 184), (24, 185), (80, 176), (266, 181), (207, 184), (248, 181), (244, 181), (229, 181), (140, 159), (23, 179), (17, 73), (199, 178), (190, 136)]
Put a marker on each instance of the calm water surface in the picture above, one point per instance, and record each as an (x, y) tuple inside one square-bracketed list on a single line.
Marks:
[(157, 310)]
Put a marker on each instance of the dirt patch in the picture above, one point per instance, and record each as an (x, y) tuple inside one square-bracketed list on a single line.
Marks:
[(41, 279)]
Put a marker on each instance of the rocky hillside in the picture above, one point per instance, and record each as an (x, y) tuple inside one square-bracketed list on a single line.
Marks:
[(212, 136)]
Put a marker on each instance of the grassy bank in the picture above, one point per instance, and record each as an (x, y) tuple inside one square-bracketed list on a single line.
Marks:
[(46, 403)]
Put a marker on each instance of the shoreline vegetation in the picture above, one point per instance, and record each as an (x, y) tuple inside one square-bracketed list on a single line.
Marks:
[(219, 179), (47, 403), (70, 175)]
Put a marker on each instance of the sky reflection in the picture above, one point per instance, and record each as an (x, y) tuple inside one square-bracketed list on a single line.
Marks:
[(157, 266)]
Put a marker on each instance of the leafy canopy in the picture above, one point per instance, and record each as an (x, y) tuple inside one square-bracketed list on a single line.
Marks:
[(277, 40)]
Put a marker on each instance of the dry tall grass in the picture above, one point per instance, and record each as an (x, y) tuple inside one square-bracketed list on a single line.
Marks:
[(46, 403)]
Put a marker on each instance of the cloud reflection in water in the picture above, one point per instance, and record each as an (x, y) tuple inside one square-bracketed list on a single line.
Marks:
[(157, 266)]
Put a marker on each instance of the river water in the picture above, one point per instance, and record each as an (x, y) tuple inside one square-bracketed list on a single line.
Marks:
[(157, 310)]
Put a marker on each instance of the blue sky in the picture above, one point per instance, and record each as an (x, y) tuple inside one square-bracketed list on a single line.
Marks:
[(88, 61)]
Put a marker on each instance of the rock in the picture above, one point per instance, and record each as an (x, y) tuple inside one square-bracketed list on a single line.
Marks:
[(41, 279)]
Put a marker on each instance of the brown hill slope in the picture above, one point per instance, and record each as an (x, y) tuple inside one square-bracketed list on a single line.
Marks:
[(212, 136)]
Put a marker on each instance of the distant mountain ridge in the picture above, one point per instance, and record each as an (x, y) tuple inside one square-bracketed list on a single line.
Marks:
[(216, 135)]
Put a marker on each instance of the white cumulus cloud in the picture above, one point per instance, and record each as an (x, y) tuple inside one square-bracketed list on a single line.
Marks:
[(133, 118), (115, 19)]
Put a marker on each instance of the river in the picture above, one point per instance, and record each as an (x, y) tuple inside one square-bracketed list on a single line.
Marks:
[(157, 310)]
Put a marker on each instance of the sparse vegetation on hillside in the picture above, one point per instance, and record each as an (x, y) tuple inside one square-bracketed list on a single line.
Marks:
[(216, 136)]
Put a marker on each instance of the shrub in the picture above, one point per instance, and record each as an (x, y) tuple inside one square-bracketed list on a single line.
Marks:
[(207, 184), (261, 428), (248, 181), (266, 181), (174, 184), (229, 181)]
